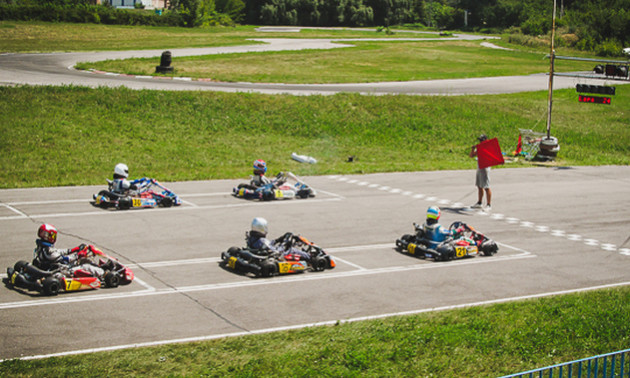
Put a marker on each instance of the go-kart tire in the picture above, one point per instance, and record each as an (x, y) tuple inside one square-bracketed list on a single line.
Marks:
[(20, 265), (104, 204), (268, 268), (320, 263), (166, 202), (125, 203), (489, 247), (304, 193), (51, 286), (268, 195), (111, 279)]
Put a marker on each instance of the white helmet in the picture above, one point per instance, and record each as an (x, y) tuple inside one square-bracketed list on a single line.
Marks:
[(260, 225), (121, 170)]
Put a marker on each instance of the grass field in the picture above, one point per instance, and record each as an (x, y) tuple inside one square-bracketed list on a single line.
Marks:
[(75, 136), (485, 341)]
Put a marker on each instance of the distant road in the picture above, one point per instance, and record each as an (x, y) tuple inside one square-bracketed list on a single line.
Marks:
[(57, 69)]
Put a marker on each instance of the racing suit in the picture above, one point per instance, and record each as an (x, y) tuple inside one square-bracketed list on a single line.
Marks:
[(260, 180), (256, 240), (436, 234), (48, 258), (122, 186)]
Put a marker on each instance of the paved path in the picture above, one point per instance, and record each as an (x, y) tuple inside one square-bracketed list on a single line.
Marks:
[(56, 69)]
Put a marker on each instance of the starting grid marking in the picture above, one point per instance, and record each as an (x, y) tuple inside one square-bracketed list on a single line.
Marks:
[(495, 216), (358, 271), (189, 205)]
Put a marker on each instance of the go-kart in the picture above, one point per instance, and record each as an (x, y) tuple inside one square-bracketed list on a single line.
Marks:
[(278, 188), (467, 242), (267, 263), (149, 193), (91, 270)]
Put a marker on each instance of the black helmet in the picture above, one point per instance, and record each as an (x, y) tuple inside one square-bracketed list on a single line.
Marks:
[(482, 137)]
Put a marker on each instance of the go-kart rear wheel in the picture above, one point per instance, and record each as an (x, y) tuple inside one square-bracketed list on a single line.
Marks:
[(111, 279), (268, 268), (51, 285), (19, 266)]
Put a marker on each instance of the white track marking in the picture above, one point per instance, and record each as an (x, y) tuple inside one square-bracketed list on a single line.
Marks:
[(322, 323), (359, 271), (171, 209), (510, 220), (20, 214)]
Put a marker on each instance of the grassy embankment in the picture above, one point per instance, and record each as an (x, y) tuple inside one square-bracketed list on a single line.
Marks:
[(74, 136), (485, 341)]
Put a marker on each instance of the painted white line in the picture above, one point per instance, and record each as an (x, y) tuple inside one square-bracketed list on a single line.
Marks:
[(323, 323), (150, 291), (359, 267), (20, 214), (609, 247), (50, 202), (170, 209), (591, 242), (497, 216)]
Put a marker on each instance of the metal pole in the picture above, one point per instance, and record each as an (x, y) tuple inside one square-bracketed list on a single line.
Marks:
[(551, 63)]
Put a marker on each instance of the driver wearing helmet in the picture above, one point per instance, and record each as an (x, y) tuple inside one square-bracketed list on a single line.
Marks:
[(46, 256), (257, 239), (121, 185), (259, 179), (433, 231)]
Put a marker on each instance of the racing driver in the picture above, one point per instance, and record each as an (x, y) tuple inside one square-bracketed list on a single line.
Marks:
[(257, 239)]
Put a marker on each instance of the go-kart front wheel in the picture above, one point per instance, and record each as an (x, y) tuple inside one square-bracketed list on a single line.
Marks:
[(319, 263), (111, 279)]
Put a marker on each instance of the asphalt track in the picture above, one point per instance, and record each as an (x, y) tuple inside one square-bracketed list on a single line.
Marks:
[(57, 69), (559, 230)]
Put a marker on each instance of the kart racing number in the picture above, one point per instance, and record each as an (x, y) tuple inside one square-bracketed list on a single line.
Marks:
[(232, 262), (461, 251), (284, 267), (137, 202), (278, 193), (411, 248)]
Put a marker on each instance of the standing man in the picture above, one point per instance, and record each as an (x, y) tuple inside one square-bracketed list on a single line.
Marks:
[(483, 178)]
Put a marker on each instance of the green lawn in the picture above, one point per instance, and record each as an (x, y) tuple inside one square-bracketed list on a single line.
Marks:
[(75, 136), (482, 341)]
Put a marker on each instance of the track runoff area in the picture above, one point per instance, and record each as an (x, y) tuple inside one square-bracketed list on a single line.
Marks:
[(559, 230)]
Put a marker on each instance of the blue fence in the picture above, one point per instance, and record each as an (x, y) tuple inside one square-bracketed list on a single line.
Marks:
[(616, 364)]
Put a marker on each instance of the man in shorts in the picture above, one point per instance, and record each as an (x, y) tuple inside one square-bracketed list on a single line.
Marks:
[(483, 180)]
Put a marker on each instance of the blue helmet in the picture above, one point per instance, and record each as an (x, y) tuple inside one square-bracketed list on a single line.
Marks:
[(433, 212)]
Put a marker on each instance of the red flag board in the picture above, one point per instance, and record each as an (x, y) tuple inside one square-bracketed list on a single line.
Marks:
[(489, 153)]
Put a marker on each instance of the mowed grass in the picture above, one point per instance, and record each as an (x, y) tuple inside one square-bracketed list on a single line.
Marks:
[(55, 136), (482, 341), (365, 62), (24, 37)]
